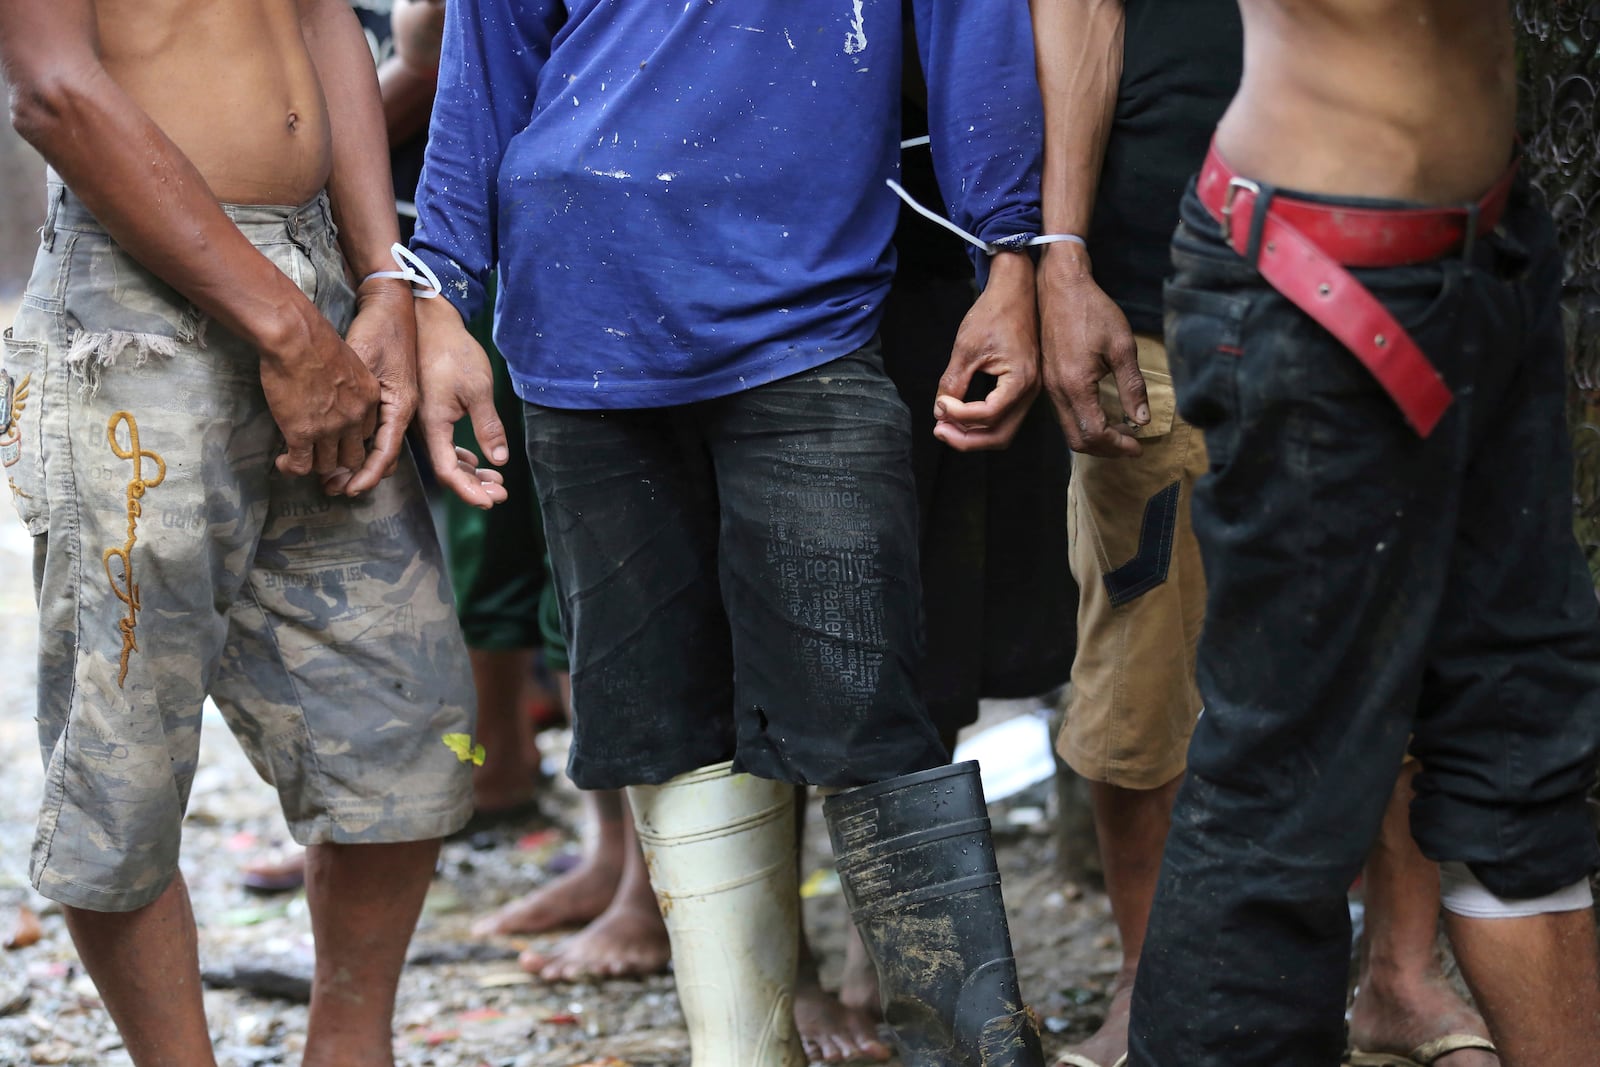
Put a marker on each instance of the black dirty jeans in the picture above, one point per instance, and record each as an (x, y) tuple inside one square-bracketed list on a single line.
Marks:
[(739, 580), (1367, 588)]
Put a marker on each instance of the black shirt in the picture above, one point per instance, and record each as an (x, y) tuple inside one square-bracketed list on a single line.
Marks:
[(1182, 60)]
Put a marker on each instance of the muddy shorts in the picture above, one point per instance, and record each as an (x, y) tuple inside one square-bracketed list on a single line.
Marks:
[(739, 581), (171, 561), (1142, 601)]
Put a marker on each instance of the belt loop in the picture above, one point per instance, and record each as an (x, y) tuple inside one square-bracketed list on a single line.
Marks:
[(1469, 239), (1258, 222), (55, 194)]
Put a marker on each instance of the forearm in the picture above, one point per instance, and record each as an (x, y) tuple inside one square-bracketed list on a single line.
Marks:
[(1078, 44), (984, 114), (407, 98), (492, 53), (359, 185)]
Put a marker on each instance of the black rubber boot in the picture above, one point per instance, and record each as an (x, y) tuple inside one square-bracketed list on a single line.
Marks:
[(918, 868)]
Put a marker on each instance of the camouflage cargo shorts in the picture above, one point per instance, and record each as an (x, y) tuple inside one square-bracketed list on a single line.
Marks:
[(171, 562)]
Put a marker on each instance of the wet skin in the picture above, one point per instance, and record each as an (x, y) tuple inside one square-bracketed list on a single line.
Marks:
[(1406, 99), (233, 86)]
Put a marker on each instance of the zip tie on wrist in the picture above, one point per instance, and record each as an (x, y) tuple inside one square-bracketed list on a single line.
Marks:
[(1058, 238), (424, 284), (1015, 243)]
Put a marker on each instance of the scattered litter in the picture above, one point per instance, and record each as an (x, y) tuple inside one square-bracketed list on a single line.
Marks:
[(26, 931), (501, 979), (15, 997), (467, 752), (437, 954), (254, 916), (540, 839), (1025, 816), (1012, 755), (823, 882)]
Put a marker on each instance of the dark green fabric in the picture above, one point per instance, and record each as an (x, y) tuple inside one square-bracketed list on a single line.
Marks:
[(498, 563)]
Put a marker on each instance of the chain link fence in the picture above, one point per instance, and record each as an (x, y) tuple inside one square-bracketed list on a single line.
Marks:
[(1559, 55)]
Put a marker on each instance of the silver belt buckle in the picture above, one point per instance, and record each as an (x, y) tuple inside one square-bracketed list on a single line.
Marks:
[(1234, 185)]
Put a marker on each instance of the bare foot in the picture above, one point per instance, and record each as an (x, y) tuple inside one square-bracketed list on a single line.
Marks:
[(831, 1032), (1399, 1016), (843, 1028), (858, 982), (628, 940), (1110, 1042), (580, 896)]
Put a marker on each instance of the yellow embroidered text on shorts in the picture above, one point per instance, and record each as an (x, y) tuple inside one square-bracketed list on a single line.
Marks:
[(127, 590)]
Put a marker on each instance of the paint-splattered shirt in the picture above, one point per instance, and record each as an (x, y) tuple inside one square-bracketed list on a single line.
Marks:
[(686, 198)]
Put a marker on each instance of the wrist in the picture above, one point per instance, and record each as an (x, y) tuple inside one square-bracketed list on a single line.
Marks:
[(1066, 259), (288, 332), (437, 311), (382, 290), (1010, 268)]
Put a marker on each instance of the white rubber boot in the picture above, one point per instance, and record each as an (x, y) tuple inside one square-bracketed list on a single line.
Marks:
[(721, 853)]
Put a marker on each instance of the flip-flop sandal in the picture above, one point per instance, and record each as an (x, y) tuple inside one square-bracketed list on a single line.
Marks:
[(1072, 1059), (1424, 1055), (278, 874)]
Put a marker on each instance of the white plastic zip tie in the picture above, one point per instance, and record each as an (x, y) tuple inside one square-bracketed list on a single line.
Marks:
[(1008, 244), (1058, 238), (424, 284)]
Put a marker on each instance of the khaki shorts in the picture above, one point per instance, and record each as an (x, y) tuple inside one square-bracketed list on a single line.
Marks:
[(1134, 700), (172, 562)]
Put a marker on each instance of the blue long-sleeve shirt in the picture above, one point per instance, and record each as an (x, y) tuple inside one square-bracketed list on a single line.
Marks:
[(686, 198)]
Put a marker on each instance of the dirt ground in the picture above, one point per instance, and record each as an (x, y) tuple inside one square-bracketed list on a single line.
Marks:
[(462, 1003)]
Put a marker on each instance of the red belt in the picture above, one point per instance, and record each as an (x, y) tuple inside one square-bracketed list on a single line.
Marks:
[(1303, 250)]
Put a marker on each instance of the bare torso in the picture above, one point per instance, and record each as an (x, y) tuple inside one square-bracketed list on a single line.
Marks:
[(231, 82), (1407, 99)]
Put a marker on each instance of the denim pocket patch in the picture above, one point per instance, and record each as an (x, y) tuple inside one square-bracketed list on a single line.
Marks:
[(1148, 568), (21, 456)]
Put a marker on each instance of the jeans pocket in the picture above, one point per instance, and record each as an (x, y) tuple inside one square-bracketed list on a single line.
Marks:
[(22, 377), (1204, 331)]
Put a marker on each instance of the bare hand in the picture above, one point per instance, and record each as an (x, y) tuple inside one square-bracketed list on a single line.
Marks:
[(322, 397), (456, 381), (384, 335), (1085, 337), (1000, 337)]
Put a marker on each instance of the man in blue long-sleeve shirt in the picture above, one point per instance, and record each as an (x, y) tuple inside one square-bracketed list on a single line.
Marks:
[(687, 208)]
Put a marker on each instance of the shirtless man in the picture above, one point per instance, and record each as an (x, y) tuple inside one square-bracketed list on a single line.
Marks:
[(174, 379), (1386, 531)]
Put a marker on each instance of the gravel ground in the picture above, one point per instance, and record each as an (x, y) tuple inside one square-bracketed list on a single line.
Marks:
[(462, 1003)]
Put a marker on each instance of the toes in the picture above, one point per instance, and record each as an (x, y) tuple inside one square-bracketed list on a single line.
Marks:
[(537, 963), (488, 926), (870, 1048), (832, 1050)]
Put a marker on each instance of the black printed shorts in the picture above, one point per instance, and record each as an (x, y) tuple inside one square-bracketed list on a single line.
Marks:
[(739, 581)]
